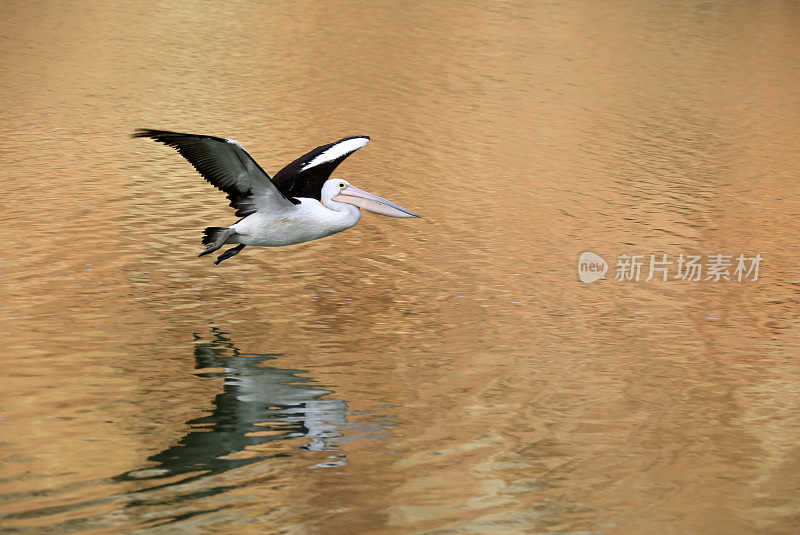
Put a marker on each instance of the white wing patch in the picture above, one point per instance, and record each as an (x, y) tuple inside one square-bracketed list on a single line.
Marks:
[(337, 151), (234, 142)]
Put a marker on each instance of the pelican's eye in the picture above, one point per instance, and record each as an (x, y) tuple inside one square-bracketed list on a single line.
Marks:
[(342, 185)]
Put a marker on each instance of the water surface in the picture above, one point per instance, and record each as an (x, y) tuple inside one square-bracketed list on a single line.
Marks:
[(443, 375)]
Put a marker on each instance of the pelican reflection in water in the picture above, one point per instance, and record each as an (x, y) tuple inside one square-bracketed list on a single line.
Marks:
[(258, 405)]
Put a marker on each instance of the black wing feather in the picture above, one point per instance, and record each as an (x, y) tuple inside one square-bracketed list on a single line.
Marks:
[(224, 164), (294, 182)]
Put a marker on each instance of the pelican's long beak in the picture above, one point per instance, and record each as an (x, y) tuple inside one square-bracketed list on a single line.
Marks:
[(372, 203)]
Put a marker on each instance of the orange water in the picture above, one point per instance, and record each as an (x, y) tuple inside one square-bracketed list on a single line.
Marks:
[(443, 375)]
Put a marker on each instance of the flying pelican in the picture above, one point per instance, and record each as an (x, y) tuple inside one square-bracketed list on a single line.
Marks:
[(301, 203)]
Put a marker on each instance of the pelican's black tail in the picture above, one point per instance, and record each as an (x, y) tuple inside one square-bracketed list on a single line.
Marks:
[(212, 234)]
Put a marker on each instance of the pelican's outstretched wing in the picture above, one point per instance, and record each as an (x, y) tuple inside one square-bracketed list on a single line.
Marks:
[(305, 176), (226, 165)]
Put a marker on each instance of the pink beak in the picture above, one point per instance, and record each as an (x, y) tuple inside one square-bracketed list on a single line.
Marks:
[(372, 203)]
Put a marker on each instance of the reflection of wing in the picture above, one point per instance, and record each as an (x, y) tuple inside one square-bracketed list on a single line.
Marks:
[(226, 165), (305, 176)]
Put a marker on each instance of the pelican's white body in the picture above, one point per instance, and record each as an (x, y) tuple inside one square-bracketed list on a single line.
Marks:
[(299, 223)]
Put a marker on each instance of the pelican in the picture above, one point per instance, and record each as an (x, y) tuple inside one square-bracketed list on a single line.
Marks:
[(301, 203)]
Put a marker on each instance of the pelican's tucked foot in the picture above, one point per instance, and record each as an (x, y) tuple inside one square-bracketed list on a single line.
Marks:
[(215, 237), (233, 251)]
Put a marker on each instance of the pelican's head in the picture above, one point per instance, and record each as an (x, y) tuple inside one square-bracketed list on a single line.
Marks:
[(340, 190)]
